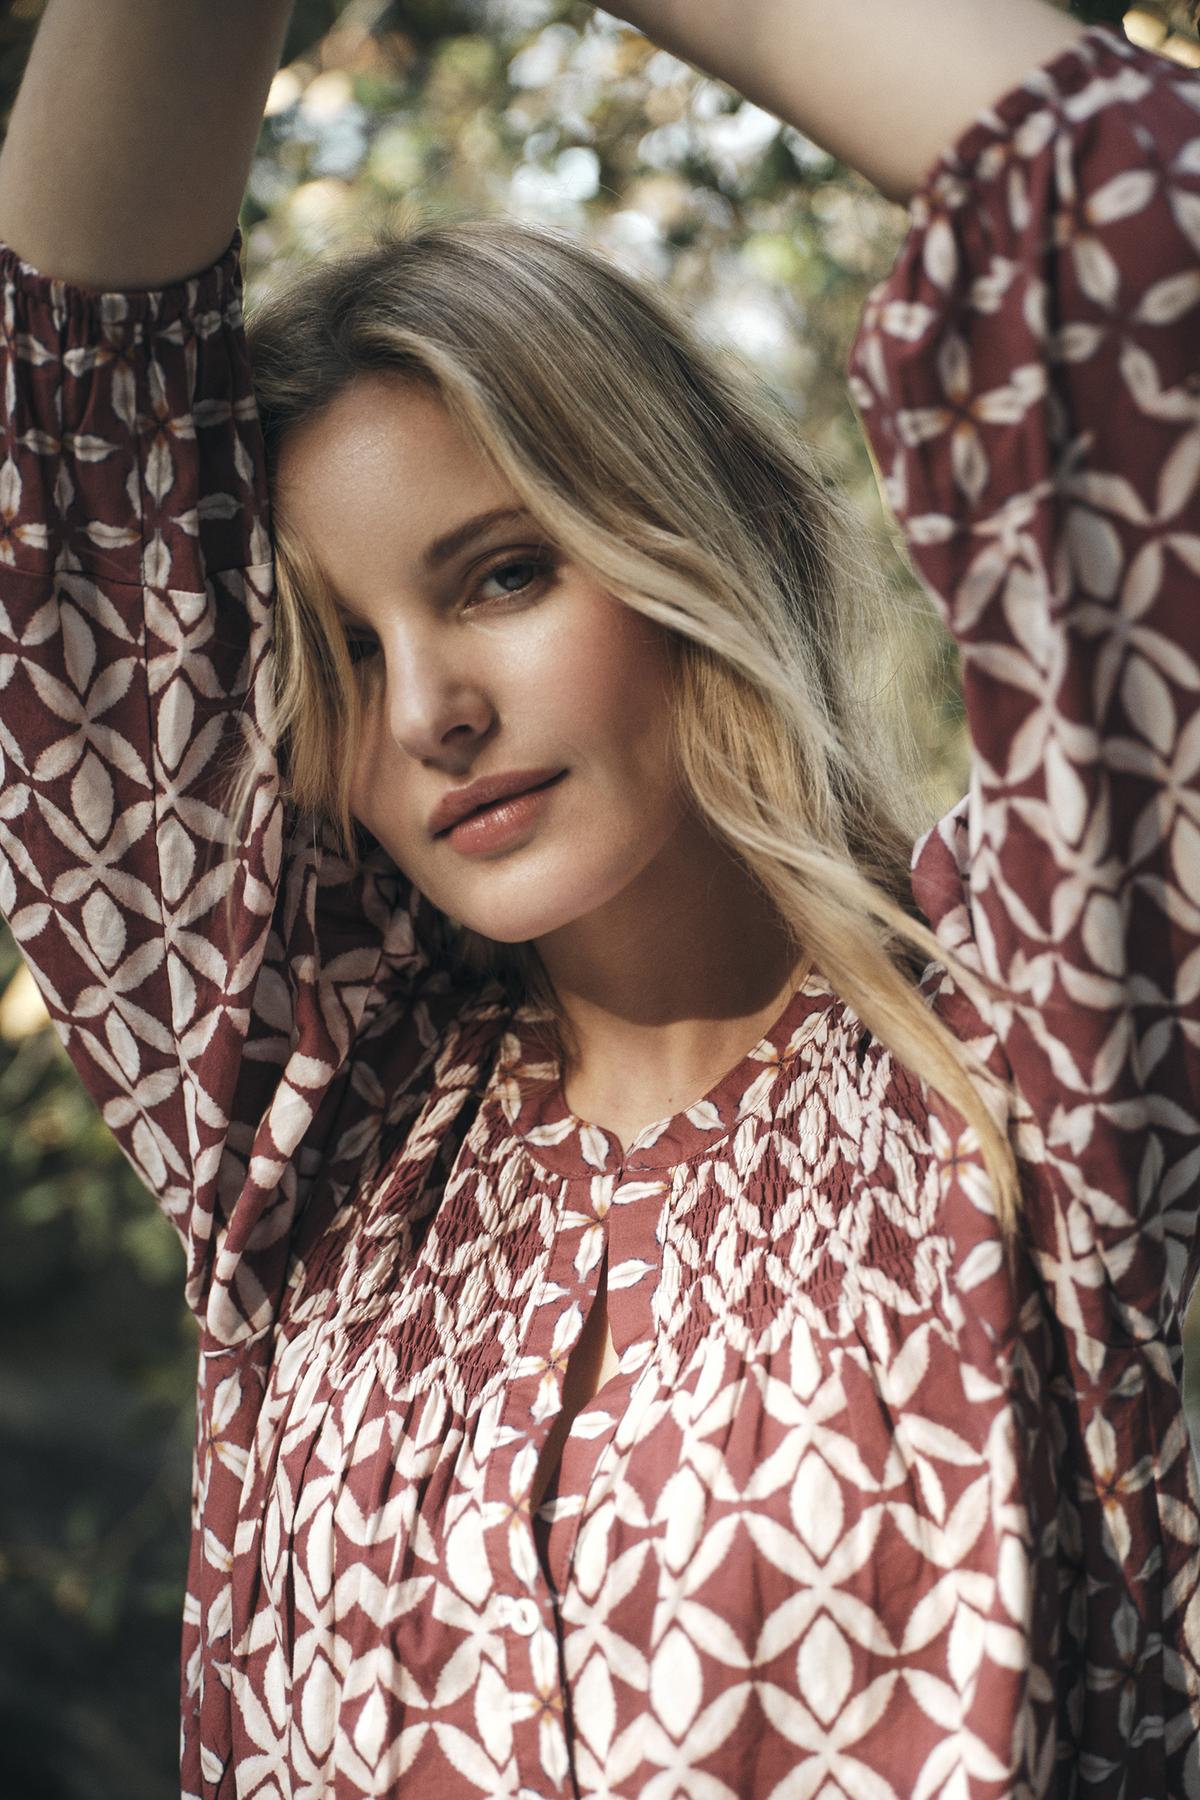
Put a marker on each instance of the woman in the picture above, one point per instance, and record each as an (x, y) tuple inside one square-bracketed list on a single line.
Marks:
[(869, 1475)]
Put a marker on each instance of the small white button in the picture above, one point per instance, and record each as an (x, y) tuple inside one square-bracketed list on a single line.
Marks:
[(524, 1617)]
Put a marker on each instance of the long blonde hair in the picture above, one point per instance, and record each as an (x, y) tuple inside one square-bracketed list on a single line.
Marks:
[(678, 480)]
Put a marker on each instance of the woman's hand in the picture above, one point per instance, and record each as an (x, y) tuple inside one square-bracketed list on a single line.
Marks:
[(885, 85)]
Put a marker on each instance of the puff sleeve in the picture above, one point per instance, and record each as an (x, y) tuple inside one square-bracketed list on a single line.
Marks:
[(1028, 377), (208, 985)]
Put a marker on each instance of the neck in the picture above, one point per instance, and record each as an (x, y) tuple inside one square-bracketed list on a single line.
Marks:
[(670, 983)]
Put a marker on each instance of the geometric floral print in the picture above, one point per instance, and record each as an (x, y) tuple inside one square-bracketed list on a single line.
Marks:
[(866, 1510)]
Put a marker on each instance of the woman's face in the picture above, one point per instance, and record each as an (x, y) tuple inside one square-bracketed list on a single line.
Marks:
[(491, 656)]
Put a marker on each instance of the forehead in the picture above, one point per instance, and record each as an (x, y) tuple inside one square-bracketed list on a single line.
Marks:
[(385, 449), (375, 417)]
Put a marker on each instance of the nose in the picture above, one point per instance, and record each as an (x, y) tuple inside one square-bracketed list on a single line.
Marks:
[(435, 697)]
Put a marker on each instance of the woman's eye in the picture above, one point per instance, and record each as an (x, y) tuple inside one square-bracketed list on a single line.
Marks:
[(361, 645), (541, 566)]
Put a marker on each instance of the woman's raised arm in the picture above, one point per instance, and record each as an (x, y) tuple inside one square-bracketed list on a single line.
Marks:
[(885, 85), (132, 135)]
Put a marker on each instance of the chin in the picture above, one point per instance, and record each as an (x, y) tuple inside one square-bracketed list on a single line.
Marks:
[(520, 928), (541, 911)]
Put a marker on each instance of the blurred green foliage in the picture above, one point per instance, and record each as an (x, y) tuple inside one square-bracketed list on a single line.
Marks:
[(545, 109), (97, 1371)]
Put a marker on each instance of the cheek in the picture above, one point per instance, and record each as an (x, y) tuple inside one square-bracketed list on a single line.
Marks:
[(615, 685)]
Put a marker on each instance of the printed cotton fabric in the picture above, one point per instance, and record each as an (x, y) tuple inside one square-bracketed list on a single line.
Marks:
[(861, 1513)]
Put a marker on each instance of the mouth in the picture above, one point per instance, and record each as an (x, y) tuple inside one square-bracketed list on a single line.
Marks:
[(497, 817)]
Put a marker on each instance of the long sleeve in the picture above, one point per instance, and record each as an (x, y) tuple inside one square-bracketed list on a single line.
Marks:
[(208, 985), (1028, 377)]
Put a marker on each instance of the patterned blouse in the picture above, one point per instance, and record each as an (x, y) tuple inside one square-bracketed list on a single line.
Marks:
[(863, 1512)]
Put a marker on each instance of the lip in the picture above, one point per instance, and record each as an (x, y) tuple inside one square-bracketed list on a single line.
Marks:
[(504, 824), (459, 802)]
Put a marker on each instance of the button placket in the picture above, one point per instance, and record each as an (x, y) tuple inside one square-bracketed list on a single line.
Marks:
[(634, 1214), (524, 1607)]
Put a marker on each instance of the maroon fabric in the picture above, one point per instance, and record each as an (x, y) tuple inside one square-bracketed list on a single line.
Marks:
[(860, 1514)]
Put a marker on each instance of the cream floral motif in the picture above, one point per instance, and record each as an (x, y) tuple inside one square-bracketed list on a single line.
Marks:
[(861, 1513)]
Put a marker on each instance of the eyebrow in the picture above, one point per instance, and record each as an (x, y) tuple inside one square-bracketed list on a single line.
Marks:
[(443, 548)]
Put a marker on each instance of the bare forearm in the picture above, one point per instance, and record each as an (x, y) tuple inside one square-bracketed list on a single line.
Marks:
[(886, 85), (132, 135)]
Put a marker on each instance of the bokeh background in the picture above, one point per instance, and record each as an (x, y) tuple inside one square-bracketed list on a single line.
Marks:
[(423, 109)]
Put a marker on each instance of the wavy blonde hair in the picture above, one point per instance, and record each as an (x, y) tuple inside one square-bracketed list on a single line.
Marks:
[(678, 480)]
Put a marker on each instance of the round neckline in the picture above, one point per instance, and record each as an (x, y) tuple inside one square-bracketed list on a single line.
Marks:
[(527, 1081)]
